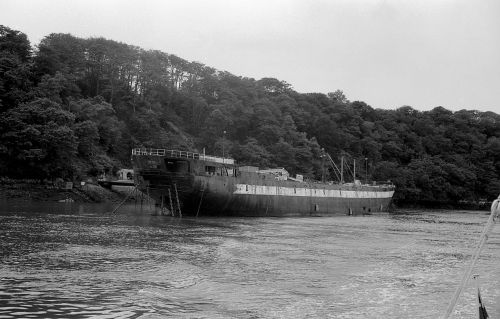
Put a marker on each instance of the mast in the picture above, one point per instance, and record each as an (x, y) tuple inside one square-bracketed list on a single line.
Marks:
[(366, 170), (336, 170), (354, 173), (323, 167), (342, 170), (223, 141)]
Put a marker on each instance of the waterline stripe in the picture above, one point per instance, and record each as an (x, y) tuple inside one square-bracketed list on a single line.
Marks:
[(247, 189)]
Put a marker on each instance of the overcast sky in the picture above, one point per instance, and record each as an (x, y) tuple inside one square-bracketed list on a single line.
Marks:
[(387, 53)]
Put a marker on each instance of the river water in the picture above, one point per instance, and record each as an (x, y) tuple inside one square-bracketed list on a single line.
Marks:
[(78, 261)]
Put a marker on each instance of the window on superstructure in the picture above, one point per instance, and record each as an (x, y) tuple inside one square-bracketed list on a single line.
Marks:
[(222, 171), (210, 170)]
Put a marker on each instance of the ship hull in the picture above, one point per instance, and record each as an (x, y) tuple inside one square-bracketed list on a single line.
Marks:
[(240, 196)]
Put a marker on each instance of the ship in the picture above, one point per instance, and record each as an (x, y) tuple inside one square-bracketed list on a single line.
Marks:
[(194, 184)]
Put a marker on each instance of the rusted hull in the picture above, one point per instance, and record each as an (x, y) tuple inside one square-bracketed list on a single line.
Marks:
[(243, 196), (279, 206)]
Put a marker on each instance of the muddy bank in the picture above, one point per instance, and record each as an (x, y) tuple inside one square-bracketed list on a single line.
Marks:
[(33, 190)]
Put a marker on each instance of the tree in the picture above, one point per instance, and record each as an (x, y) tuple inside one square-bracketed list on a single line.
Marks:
[(15, 79), (39, 140), (60, 52), (15, 43), (274, 86), (251, 153), (338, 97), (103, 115), (59, 88)]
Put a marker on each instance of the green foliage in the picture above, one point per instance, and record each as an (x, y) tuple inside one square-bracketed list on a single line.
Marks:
[(15, 73), (39, 140), (59, 88), (15, 43), (252, 153), (87, 133), (75, 107)]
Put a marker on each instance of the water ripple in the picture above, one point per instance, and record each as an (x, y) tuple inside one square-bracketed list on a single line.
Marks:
[(79, 262)]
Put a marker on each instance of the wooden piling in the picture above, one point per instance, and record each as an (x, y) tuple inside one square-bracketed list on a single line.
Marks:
[(162, 207), (171, 205), (201, 199), (177, 198)]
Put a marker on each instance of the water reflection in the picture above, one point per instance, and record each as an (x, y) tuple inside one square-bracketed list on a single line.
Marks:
[(70, 260)]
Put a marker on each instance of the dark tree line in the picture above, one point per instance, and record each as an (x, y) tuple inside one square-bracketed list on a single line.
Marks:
[(73, 108)]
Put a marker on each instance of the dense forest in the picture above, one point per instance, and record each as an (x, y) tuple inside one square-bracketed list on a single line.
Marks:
[(73, 108)]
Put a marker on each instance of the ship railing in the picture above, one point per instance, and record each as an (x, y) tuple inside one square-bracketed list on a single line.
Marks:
[(381, 183), (180, 154)]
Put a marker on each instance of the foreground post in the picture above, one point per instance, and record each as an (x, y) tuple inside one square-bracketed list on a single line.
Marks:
[(495, 210)]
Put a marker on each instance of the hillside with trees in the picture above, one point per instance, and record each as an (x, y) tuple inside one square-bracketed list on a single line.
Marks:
[(73, 108)]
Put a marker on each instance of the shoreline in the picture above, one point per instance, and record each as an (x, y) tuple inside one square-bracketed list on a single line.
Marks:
[(28, 190), (31, 190), (441, 206)]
